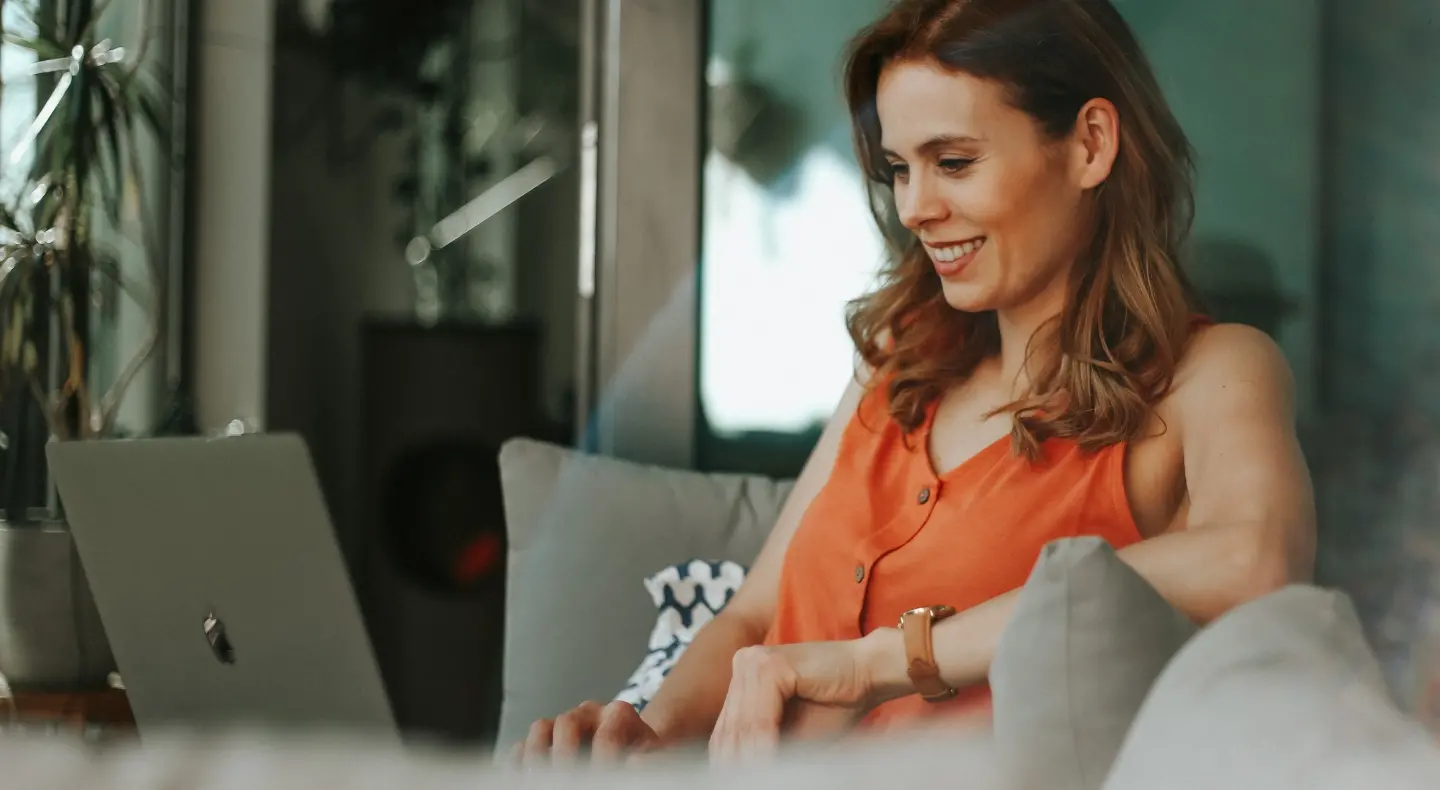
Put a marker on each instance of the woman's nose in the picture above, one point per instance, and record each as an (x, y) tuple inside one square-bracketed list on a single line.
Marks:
[(920, 204)]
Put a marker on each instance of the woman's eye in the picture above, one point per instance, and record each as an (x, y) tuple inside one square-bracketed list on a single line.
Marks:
[(898, 171), (954, 165)]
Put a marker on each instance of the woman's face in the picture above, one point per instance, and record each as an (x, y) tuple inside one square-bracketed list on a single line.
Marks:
[(999, 208)]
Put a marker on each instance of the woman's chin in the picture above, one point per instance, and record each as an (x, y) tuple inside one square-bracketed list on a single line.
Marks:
[(966, 298)]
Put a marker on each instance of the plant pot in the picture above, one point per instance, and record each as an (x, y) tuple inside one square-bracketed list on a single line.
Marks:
[(51, 638)]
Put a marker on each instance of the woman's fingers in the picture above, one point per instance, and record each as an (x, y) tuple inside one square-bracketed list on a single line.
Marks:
[(721, 737), (620, 730), (749, 724), (537, 743), (573, 731), (605, 732)]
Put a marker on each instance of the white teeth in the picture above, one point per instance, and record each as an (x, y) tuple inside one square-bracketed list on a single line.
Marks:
[(947, 254)]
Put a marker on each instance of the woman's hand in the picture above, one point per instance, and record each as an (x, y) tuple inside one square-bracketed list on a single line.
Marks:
[(806, 689), (607, 733)]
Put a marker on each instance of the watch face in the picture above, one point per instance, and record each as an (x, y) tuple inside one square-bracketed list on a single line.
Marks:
[(935, 612), (919, 611)]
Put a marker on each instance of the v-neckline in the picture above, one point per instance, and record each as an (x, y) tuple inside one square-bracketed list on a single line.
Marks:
[(927, 433)]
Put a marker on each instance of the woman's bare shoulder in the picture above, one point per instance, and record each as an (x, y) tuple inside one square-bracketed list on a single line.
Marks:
[(1221, 351), (1222, 358)]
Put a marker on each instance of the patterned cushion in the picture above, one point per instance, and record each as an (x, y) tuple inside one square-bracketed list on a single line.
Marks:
[(688, 596), (583, 531)]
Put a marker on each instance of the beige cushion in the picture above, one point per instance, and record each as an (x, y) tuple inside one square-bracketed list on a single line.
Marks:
[(584, 532), (1282, 693), (1087, 639)]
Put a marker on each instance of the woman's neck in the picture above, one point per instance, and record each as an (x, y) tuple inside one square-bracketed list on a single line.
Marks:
[(1018, 326)]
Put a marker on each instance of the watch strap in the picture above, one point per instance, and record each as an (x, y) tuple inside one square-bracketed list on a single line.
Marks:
[(916, 629)]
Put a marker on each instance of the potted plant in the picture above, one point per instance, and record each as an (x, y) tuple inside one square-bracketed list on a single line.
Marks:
[(79, 196)]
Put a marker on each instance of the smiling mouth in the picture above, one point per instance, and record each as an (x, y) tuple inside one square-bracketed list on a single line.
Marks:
[(949, 253), (951, 258)]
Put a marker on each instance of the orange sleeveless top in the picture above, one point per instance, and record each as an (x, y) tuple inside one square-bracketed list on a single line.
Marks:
[(887, 534)]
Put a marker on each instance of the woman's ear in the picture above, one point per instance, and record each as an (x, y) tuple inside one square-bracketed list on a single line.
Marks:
[(1097, 142)]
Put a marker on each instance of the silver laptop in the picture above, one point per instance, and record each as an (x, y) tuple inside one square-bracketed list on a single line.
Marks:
[(222, 589)]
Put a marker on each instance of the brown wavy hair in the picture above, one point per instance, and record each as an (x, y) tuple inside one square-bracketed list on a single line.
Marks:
[(1127, 313)]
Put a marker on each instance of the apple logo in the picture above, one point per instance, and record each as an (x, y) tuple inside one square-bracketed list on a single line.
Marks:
[(219, 642)]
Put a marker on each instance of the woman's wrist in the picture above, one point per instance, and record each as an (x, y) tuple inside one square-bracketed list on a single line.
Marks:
[(663, 729), (882, 660), (676, 724)]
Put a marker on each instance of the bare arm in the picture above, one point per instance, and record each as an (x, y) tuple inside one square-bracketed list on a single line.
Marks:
[(1251, 524), (1250, 529), (689, 701)]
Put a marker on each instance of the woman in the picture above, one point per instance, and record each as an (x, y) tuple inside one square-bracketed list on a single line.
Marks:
[(1033, 369)]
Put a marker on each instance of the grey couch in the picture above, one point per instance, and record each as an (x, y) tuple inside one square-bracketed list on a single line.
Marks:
[(1097, 681), (1098, 685)]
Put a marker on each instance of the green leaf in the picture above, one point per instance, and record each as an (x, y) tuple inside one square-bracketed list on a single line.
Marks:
[(44, 48), (49, 209), (14, 336), (111, 129), (29, 358), (152, 76), (109, 268), (148, 104), (76, 134)]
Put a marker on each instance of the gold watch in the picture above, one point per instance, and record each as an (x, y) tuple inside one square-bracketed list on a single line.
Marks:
[(915, 627)]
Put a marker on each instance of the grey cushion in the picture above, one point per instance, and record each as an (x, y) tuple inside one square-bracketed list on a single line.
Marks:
[(1280, 693), (584, 532), (1086, 641), (299, 761)]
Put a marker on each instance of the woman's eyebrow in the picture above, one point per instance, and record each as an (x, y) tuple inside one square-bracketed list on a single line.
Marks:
[(938, 142)]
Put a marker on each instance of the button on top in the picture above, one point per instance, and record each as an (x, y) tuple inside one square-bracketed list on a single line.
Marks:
[(924, 496), (859, 573)]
